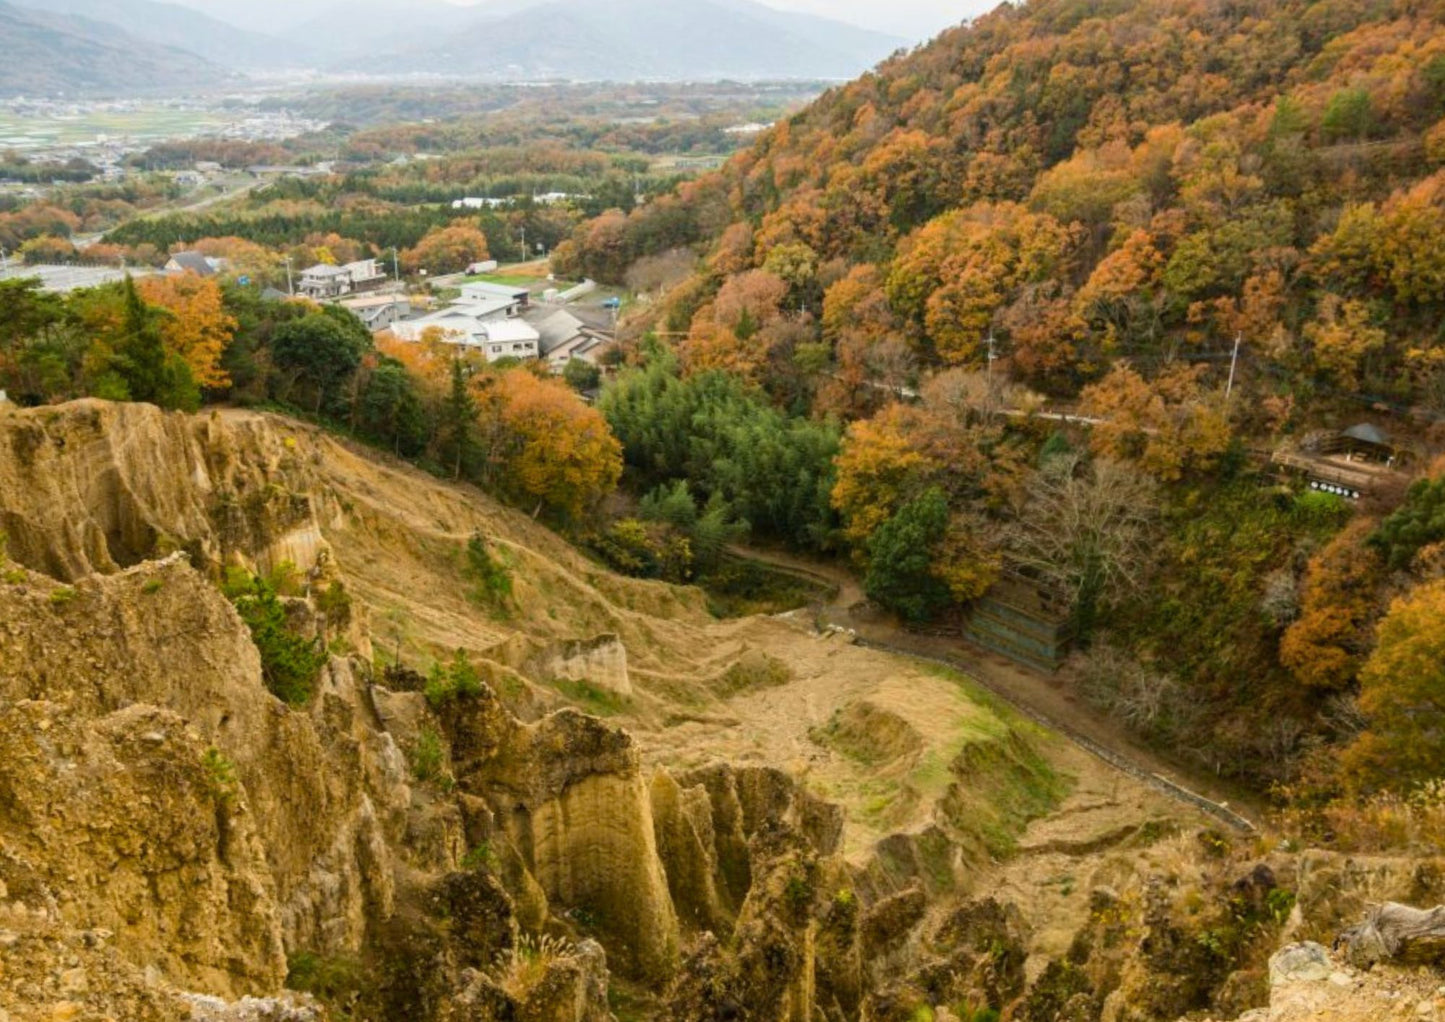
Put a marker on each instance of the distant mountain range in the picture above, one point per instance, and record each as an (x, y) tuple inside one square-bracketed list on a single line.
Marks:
[(180, 27), (81, 46), (50, 54), (652, 39)]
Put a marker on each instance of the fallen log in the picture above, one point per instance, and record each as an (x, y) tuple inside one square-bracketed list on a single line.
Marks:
[(1397, 934)]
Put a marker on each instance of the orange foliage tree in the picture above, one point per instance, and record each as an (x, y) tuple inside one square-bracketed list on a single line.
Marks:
[(198, 328), (550, 449), (953, 274), (1323, 648), (447, 249), (1167, 426)]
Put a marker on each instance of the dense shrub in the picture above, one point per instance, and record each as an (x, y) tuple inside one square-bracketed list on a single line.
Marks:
[(290, 662)]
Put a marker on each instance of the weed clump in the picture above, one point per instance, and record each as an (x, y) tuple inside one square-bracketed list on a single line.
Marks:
[(428, 757), (290, 663), (446, 683), (520, 969), (490, 578), (221, 780)]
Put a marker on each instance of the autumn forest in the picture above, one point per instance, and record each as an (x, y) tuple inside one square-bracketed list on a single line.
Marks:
[(1136, 305)]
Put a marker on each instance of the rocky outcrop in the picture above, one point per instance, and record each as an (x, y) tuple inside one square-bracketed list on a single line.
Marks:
[(176, 842), (569, 795), (95, 487), (600, 662), (322, 793), (1309, 984)]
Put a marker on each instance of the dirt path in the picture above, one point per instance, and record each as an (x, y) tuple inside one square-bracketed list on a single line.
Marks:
[(1046, 698)]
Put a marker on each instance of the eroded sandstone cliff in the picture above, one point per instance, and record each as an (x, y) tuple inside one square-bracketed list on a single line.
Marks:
[(755, 821)]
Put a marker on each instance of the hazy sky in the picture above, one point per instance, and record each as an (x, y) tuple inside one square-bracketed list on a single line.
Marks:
[(914, 19)]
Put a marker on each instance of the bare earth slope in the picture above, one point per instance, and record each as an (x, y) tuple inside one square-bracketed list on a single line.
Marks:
[(758, 820)]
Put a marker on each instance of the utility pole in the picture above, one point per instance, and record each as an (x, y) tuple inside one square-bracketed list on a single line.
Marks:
[(524, 243), (992, 357), (1233, 365), (395, 265), (290, 288)]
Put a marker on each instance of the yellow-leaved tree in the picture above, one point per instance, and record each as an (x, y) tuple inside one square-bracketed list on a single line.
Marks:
[(1400, 695), (879, 468), (549, 449), (197, 326)]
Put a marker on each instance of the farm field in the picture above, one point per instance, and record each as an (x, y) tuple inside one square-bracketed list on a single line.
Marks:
[(31, 131)]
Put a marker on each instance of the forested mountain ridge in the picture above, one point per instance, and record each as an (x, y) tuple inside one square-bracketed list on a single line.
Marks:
[(1186, 152), (1107, 198), (57, 53)]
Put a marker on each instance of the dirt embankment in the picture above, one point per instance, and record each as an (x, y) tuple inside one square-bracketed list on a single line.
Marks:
[(756, 820)]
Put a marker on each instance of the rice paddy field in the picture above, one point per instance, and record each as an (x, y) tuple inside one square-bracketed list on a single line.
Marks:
[(27, 130)]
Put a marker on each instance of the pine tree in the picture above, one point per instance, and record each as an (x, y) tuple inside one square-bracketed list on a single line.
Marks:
[(902, 556), (141, 352), (459, 446)]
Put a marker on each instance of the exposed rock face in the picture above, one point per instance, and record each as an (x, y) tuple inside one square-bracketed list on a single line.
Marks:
[(177, 843), (569, 792), (93, 487), (600, 662), (1308, 984), (320, 796), (120, 817)]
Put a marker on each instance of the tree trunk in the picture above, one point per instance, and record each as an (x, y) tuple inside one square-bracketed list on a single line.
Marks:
[(1395, 933)]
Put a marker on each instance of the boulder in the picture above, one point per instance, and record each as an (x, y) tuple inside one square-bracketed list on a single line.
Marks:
[(1306, 962)]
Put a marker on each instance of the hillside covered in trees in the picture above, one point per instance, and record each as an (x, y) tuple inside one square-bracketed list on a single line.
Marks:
[(1216, 231)]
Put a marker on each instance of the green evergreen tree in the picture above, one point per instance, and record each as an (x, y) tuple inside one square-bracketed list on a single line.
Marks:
[(901, 557), (391, 412), (322, 350), (141, 354), (149, 372), (459, 447)]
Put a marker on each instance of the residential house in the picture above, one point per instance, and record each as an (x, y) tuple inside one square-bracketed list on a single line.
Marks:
[(194, 262), (564, 337), (484, 325), (519, 298), (325, 281), (511, 338), (378, 311)]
